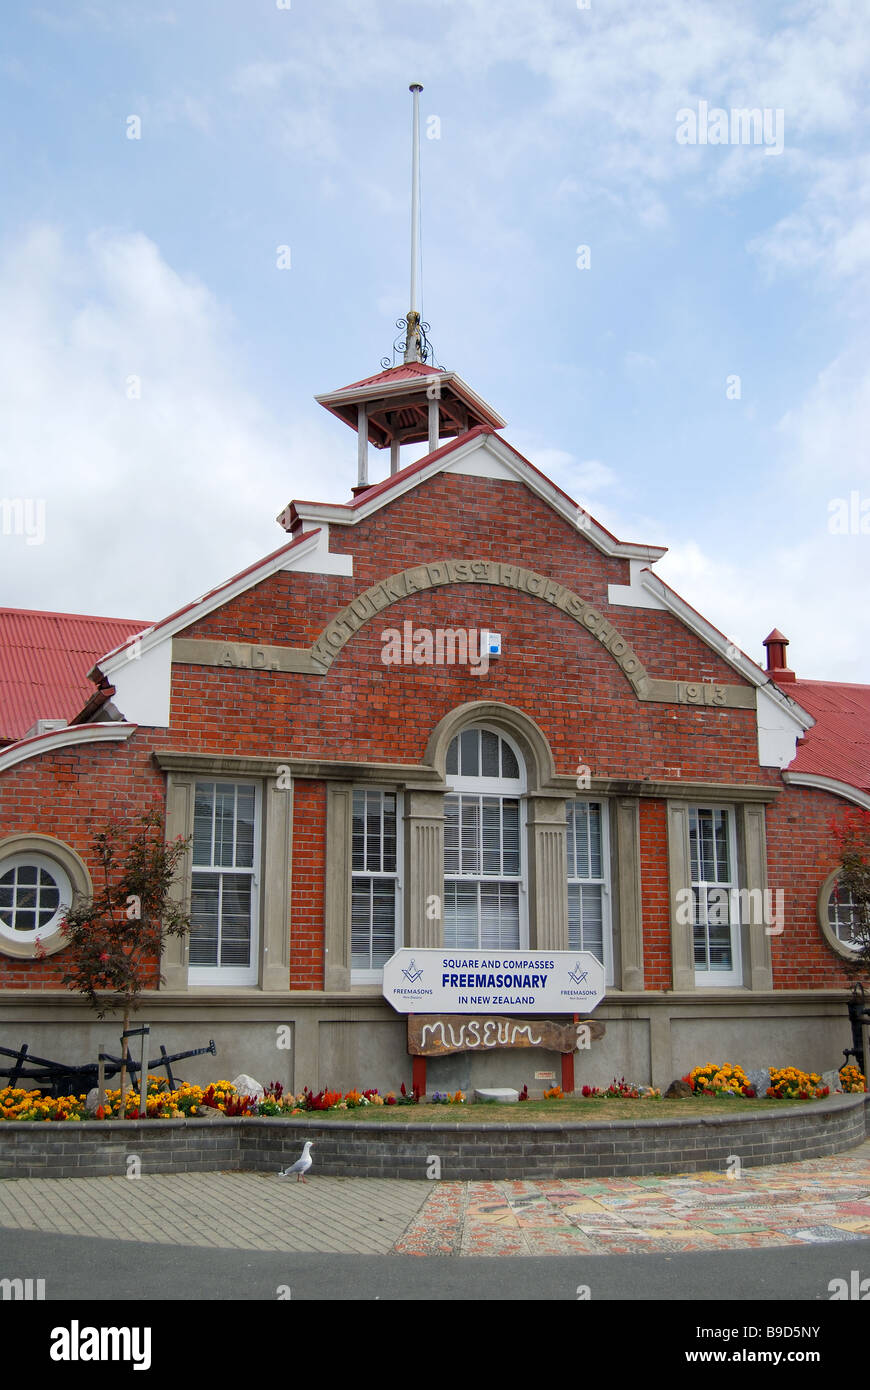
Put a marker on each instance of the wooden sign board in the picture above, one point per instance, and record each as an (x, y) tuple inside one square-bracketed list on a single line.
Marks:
[(431, 1035)]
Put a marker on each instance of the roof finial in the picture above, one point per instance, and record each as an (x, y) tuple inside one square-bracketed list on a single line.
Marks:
[(413, 341)]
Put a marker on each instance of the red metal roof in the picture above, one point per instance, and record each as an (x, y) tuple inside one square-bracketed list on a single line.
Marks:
[(44, 663), (403, 372), (838, 744)]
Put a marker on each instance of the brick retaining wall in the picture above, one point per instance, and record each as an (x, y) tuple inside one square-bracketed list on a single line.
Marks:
[(392, 1149)]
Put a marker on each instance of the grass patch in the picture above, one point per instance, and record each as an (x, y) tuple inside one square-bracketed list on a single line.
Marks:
[(552, 1111)]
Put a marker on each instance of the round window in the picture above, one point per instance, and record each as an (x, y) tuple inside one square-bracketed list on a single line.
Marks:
[(35, 892), (838, 918)]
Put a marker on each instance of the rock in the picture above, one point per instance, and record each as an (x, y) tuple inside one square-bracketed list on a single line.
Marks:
[(831, 1079), (208, 1112), (759, 1079), (246, 1086), (678, 1089), (505, 1095), (91, 1100)]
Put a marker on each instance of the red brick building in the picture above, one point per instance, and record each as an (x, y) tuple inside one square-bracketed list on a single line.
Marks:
[(357, 771)]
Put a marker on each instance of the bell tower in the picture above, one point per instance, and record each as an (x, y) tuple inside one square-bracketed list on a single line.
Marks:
[(414, 401)]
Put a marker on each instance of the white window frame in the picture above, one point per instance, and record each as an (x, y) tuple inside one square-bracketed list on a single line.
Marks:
[(509, 789), (376, 976), (28, 859), (233, 976), (604, 881), (826, 902), (721, 979)]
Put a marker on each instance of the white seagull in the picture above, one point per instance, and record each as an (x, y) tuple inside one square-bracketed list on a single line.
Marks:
[(302, 1164)]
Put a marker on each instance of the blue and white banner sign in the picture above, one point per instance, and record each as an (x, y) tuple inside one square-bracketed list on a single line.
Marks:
[(464, 982)]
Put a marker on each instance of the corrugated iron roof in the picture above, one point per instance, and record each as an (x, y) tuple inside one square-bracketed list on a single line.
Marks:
[(44, 663), (838, 744), (403, 372)]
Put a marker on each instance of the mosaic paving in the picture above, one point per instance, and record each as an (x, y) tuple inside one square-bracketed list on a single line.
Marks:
[(822, 1200)]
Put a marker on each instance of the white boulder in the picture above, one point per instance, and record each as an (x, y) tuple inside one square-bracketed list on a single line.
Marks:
[(246, 1086)]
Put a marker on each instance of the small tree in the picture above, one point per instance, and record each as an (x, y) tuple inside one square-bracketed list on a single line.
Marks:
[(852, 839), (116, 938)]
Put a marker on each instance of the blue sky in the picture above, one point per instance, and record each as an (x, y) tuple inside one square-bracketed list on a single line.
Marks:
[(262, 126)]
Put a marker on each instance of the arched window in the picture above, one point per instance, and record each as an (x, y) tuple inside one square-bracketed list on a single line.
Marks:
[(484, 858)]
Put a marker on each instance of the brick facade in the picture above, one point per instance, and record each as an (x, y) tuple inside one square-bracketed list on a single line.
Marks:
[(361, 712)]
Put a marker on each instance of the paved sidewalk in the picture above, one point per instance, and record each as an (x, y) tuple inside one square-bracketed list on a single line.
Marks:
[(790, 1204), (242, 1211), (793, 1204)]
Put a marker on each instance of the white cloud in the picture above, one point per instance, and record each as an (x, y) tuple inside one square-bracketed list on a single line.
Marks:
[(148, 501)]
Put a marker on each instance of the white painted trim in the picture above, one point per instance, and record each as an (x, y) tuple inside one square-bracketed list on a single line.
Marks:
[(828, 784), (634, 594), (606, 882), (65, 738), (483, 465), (28, 858), (711, 635), (141, 668), (733, 978), (309, 557), (320, 559), (401, 386), (142, 678), (780, 720), (777, 737), (235, 976), (370, 976), (458, 460)]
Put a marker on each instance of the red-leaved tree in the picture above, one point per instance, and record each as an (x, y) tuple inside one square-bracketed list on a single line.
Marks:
[(851, 835), (116, 938)]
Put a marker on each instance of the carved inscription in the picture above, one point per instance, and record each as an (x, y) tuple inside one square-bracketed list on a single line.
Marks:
[(430, 1036), (317, 659), (507, 576)]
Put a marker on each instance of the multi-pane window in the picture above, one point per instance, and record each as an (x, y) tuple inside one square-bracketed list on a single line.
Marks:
[(714, 876), (375, 876), (34, 892), (224, 883), (586, 840), (483, 861), (843, 917)]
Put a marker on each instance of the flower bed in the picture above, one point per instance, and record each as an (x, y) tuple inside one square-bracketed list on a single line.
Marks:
[(190, 1102), (786, 1083)]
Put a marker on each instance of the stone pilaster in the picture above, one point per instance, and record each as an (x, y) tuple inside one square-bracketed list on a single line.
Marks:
[(337, 891), (276, 890), (755, 939), (680, 877), (179, 821), (548, 874), (424, 868), (628, 893)]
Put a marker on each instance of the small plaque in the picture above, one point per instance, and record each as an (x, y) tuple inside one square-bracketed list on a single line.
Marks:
[(545, 1076)]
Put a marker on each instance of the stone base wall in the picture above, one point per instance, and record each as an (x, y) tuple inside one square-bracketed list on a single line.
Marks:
[(484, 1151), (338, 1041)]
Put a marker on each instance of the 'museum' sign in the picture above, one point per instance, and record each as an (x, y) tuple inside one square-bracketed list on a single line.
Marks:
[(465, 982), (436, 1037)]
